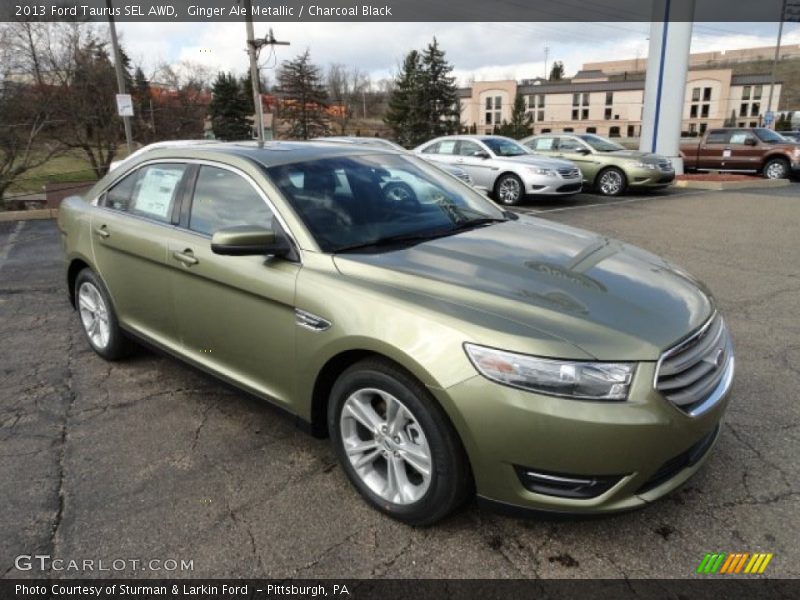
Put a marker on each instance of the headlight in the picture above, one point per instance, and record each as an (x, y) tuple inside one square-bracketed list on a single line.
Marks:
[(571, 379), (548, 172), (644, 165)]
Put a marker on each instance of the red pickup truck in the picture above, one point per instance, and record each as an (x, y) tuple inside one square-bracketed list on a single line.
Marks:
[(741, 149)]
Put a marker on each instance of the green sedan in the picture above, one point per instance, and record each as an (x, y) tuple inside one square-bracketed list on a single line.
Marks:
[(444, 345), (607, 167)]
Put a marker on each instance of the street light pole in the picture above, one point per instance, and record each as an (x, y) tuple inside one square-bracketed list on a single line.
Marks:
[(775, 61), (126, 121)]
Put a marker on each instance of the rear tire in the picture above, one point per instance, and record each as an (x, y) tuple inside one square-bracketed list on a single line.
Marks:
[(611, 182), (396, 445), (776, 168), (98, 319), (508, 189)]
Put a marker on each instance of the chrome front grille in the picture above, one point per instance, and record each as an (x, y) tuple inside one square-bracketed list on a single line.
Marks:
[(697, 372), (569, 172)]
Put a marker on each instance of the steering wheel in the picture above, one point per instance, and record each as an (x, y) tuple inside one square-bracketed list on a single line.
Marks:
[(400, 195)]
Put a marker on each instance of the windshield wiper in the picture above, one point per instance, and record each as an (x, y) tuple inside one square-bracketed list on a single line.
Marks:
[(395, 240)]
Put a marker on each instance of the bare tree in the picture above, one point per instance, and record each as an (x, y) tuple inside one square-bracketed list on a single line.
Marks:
[(346, 90)]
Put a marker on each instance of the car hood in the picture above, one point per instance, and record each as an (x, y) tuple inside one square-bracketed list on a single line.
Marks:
[(536, 160), (612, 300)]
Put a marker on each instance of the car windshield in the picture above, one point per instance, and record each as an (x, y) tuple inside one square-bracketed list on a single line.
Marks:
[(769, 137), (505, 147), (379, 202), (600, 144)]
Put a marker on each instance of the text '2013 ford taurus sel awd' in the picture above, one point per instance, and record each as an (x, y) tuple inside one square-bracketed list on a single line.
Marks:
[(444, 345)]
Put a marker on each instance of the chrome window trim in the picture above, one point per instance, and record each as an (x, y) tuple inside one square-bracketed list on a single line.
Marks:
[(209, 163)]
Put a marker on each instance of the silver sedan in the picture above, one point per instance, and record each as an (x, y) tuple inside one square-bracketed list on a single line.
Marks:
[(504, 167)]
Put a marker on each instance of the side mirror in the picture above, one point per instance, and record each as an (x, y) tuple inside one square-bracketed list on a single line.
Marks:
[(583, 151), (750, 142), (480, 154), (247, 240)]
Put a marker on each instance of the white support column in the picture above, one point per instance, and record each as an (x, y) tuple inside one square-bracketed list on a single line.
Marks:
[(665, 85)]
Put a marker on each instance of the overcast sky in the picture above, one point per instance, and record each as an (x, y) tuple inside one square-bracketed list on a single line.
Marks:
[(484, 51)]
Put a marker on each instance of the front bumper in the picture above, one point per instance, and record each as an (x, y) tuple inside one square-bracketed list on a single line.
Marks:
[(645, 443), (650, 178), (552, 185)]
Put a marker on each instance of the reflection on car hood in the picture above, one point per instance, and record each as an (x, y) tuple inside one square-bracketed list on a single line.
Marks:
[(647, 157), (612, 300), (536, 160)]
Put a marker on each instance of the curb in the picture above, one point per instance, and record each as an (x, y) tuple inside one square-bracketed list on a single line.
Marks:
[(720, 186), (28, 215)]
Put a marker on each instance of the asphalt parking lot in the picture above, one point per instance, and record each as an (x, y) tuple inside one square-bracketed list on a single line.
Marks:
[(147, 459)]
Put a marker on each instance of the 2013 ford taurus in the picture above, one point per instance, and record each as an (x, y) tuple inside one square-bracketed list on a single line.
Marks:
[(445, 345)]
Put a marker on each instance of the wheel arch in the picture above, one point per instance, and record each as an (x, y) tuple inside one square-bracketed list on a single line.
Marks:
[(775, 156), (76, 265)]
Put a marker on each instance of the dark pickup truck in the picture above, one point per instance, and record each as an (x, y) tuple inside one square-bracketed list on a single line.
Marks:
[(741, 149)]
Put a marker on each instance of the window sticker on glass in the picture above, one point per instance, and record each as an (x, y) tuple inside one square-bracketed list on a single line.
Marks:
[(156, 189), (544, 144), (738, 138), (447, 147)]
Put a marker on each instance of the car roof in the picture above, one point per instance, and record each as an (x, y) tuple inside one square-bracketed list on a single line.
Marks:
[(268, 154)]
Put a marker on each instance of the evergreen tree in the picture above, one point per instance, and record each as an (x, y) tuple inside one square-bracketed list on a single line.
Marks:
[(440, 97), (424, 102), (140, 92), (521, 120), (404, 115), (557, 71), (229, 109), (304, 98), (730, 121)]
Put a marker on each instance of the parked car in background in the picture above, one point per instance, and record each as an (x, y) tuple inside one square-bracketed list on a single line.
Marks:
[(755, 150), (444, 345), (607, 167), (383, 143), (502, 166)]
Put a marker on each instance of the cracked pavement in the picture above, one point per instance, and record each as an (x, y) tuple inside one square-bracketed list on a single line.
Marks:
[(147, 459)]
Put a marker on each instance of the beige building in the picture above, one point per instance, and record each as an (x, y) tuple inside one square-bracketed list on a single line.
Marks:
[(699, 59), (593, 103)]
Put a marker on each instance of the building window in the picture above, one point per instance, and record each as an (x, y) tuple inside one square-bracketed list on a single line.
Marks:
[(540, 115), (613, 131), (546, 130), (740, 124), (692, 128), (609, 98), (488, 103), (696, 95), (584, 114), (704, 111), (498, 116), (743, 109), (607, 115), (586, 99), (703, 127), (753, 124), (693, 111), (757, 92), (755, 109), (498, 102), (631, 131), (591, 130), (488, 119), (541, 100), (746, 92), (574, 114), (576, 99), (568, 130), (706, 94)]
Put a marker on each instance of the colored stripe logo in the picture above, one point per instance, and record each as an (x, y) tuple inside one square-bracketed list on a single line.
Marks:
[(734, 563)]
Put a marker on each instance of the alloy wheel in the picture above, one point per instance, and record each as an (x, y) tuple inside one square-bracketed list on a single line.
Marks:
[(611, 183), (775, 170), (386, 446), (94, 314), (509, 190)]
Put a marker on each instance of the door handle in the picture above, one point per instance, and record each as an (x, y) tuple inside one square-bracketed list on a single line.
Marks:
[(186, 257), (102, 231)]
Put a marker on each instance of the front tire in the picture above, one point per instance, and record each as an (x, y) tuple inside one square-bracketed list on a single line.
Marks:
[(396, 445), (611, 182), (98, 319), (776, 168), (509, 189)]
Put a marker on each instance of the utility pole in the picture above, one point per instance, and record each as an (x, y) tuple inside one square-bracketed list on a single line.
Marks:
[(126, 121), (775, 62), (546, 55)]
